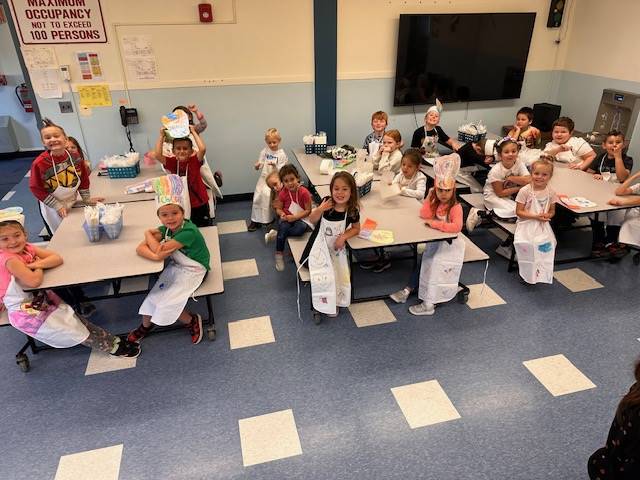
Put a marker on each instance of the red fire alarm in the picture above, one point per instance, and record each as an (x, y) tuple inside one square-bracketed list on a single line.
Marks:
[(205, 10)]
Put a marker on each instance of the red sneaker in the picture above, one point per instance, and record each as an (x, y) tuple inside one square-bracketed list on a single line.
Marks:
[(139, 333), (195, 329)]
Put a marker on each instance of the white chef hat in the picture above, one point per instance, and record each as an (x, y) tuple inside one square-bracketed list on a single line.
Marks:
[(446, 169), (169, 190), (490, 147), (435, 108)]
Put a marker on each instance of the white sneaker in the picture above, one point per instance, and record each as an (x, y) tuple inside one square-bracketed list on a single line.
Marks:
[(270, 236), (400, 296), (422, 308), (279, 262), (473, 220)]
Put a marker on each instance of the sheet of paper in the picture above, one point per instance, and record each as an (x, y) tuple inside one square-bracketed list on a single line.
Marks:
[(94, 96), (381, 236), (137, 46), (367, 228), (38, 58), (142, 68), (139, 57), (46, 82), (89, 63)]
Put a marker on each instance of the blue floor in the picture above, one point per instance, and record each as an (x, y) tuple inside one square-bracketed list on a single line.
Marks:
[(176, 413)]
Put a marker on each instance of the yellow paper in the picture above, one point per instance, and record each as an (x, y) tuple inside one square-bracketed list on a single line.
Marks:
[(94, 96), (381, 236)]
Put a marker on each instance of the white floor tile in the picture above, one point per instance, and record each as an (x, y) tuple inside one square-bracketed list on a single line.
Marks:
[(99, 464), (239, 269), (269, 437), (8, 195), (558, 375), (235, 226), (28, 174), (576, 280), (366, 314), (100, 362), (250, 332), (424, 403), (481, 296)]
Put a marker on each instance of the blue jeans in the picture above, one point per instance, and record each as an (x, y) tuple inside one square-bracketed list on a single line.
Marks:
[(286, 229)]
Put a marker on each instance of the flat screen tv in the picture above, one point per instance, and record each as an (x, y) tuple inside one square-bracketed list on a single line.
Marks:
[(461, 57)]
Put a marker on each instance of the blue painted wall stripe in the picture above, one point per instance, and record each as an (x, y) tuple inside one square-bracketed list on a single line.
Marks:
[(325, 27)]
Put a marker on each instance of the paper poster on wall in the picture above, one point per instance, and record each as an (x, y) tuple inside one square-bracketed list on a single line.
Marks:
[(39, 57), (46, 82), (94, 96), (89, 63), (139, 57), (137, 46), (142, 68)]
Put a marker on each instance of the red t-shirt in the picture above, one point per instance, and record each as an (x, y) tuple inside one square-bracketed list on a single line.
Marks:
[(302, 197), (43, 182), (191, 168)]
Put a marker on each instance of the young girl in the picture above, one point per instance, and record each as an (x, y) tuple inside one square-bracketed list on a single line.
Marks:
[(294, 205), (427, 137), (41, 314), (389, 156), (180, 241), (337, 219), (275, 185), (630, 229), (57, 177), (441, 261), (73, 147), (186, 162), (272, 158), (534, 240), (412, 182), (619, 459)]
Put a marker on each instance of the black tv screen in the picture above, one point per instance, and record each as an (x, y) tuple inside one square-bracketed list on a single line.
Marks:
[(461, 57)]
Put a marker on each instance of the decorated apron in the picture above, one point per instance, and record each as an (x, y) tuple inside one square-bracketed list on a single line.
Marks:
[(261, 211), (65, 195), (430, 145), (329, 269), (503, 207), (180, 278), (440, 270), (295, 208), (630, 230), (535, 246)]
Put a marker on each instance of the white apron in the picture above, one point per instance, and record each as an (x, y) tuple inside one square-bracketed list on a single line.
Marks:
[(329, 269), (430, 145), (440, 270), (465, 176), (53, 322), (65, 195), (295, 208), (535, 246), (630, 230), (180, 278), (261, 211), (503, 207)]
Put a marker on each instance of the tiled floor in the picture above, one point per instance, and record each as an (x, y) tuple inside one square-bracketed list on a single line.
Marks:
[(576, 280), (558, 375), (368, 314), (269, 437), (239, 269), (250, 332), (99, 464), (483, 296), (424, 403)]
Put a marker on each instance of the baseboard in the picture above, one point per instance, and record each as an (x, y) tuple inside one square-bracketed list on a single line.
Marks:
[(20, 154), (236, 197)]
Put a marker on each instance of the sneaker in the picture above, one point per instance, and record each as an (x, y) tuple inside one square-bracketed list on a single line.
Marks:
[(86, 309), (279, 262), (617, 250), (401, 295), (139, 333), (253, 226), (382, 265), (270, 236), (368, 265), (598, 250), (422, 308), (473, 220), (195, 329), (125, 348)]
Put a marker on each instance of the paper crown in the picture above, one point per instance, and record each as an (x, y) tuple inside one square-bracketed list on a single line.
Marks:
[(435, 108), (446, 169), (169, 190)]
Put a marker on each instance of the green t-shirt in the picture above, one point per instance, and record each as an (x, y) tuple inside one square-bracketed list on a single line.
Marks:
[(192, 240)]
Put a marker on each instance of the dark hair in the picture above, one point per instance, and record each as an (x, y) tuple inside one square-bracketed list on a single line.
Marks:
[(614, 133), (632, 398), (182, 139), (46, 123), (500, 144), (414, 156), (352, 205), (288, 169), (12, 223), (528, 111), (75, 142), (565, 122), (185, 110)]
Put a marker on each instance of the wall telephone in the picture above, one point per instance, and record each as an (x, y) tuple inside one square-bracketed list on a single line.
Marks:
[(128, 116)]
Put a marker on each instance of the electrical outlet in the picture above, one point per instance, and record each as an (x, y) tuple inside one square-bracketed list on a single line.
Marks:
[(65, 107)]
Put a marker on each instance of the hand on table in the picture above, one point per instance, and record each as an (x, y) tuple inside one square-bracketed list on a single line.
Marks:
[(575, 166), (62, 211), (616, 201), (94, 200), (597, 176)]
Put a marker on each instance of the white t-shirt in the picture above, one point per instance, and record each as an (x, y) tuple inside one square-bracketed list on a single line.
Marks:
[(499, 173), (579, 147), (276, 160), (544, 197), (412, 187)]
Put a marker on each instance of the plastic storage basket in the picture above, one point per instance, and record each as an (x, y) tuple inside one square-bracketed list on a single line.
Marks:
[(124, 172), (468, 137), (93, 232), (308, 148), (364, 189), (112, 230)]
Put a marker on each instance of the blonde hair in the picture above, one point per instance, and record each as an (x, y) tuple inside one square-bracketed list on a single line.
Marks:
[(543, 161), (272, 133)]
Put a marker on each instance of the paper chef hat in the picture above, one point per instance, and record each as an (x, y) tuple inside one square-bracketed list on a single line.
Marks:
[(169, 190), (435, 108), (490, 147), (446, 169)]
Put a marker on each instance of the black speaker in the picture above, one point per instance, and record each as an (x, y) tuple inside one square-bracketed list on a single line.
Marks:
[(544, 114), (556, 10)]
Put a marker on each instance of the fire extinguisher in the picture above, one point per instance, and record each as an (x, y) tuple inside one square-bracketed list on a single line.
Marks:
[(22, 92)]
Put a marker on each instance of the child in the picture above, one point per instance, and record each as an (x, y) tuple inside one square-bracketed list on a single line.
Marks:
[(186, 162), (523, 132), (389, 156), (505, 179), (41, 314), (630, 229), (179, 241), (295, 205), (612, 164), (275, 185), (73, 147), (566, 148), (337, 219), (373, 141), (425, 138), (535, 207), (412, 182), (271, 159), (57, 177), (441, 261)]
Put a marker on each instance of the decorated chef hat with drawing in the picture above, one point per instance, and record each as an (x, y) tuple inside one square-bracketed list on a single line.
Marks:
[(169, 191), (446, 169)]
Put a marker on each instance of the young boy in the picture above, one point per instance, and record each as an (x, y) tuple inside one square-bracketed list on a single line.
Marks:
[(613, 164), (379, 121), (567, 148), (523, 131), (186, 162)]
